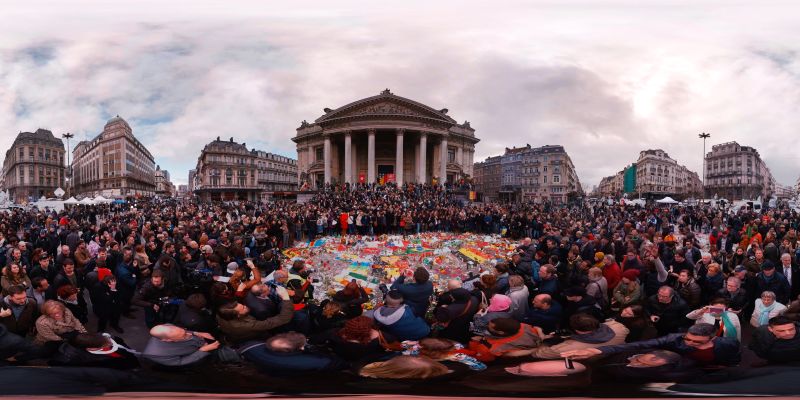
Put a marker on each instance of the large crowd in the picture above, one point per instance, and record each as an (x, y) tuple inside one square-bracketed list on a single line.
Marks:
[(634, 293)]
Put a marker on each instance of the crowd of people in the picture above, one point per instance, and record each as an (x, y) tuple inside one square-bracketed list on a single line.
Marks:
[(642, 293)]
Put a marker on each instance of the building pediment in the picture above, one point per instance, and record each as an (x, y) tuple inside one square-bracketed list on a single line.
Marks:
[(385, 106)]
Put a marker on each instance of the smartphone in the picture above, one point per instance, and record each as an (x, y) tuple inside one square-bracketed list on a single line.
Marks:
[(716, 310), (568, 364)]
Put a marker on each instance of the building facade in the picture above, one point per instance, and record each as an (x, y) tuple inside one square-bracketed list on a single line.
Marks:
[(190, 182), (531, 174), (182, 191), (227, 171), (34, 166), (488, 177), (384, 138), (654, 175), (276, 173), (164, 186), (737, 172), (113, 164)]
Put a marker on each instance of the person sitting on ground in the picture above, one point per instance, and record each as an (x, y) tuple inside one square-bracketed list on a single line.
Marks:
[(286, 354), (358, 341), (778, 342), (352, 294), (700, 344), (716, 314), (404, 367), (439, 349), (18, 312), (173, 346), (193, 315), (506, 337), (95, 350), (398, 319), (588, 333), (238, 325), (765, 308)]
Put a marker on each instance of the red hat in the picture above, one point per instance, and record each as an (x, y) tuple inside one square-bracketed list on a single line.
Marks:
[(631, 274)]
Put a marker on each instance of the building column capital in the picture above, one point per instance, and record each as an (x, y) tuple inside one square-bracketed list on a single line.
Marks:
[(400, 131)]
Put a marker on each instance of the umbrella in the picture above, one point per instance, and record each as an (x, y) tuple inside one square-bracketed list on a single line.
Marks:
[(667, 200)]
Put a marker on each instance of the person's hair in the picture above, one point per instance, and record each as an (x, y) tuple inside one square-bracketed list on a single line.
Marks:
[(546, 298), (51, 305), (330, 309), (501, 268), (196, 301), (768, 293), (488, 280), (714, 267), (515, 281), (228, 311), (15, 289), (109, 278), (66, 290), (595, 272), (550, 268), (37, 281), (67, 261), (735, 279), (508, 326), (669, 357), (404, 367), (298, 265), (157, 274), (702, 329), (436, 348), (421, 275), (719, 300), (780, 320), (637, 310), (286, 342), (583, 322), (88, 340), (358, 329)]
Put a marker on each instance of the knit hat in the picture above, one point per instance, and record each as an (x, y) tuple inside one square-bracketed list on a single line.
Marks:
[(499, 302), (599, 256), (631, 274)]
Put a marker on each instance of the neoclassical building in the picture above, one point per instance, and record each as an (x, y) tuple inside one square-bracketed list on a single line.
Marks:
[(384, 138)]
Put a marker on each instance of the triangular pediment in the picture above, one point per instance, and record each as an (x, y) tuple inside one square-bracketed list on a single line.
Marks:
[(385, 106)]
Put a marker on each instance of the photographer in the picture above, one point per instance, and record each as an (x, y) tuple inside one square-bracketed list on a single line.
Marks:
[(153, 297), (717, 314), (238, 325)]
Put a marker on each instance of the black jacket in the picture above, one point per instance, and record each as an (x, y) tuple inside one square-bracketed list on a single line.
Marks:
[(726, 350), (775, 350)]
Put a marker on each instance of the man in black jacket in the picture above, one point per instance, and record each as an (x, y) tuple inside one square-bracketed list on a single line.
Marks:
[(667, 311), (699, 344), (778, 342)]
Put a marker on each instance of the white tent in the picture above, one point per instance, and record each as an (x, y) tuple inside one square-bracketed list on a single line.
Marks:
[(86, 201), (71, 200), (99, 199), (667, 200)]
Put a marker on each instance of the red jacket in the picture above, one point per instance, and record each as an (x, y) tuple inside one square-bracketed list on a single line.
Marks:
[(613, 275)]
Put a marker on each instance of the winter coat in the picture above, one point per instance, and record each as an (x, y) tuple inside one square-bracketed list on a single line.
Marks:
[(519, 302), (289, 363), (609, 333), (238, 330), (415, 295), (401, 322), (48, 329), (22, 319)]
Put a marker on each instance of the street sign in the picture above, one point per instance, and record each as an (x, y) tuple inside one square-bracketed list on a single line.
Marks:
[(59, 192)]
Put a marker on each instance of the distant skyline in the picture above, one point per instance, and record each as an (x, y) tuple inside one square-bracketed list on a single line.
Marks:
[(605, 79)]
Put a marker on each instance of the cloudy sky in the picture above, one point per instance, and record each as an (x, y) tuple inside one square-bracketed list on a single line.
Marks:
[(604, 79)]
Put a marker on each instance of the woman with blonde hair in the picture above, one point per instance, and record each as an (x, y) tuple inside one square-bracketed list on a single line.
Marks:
[(55, 322), (405, 367)]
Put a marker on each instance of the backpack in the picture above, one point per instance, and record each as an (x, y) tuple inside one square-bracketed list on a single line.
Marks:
[(602, 301)]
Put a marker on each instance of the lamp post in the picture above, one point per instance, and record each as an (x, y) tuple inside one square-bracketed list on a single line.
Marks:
[(704, 136), (68, 136)]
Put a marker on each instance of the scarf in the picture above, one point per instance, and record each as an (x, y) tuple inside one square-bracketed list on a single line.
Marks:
[(729, 330), (763, 318)]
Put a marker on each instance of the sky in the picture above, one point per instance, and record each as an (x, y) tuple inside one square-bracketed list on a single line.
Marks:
[(605, 79)]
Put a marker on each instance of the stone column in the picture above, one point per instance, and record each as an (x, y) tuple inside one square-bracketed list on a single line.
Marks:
[(354, 155), (327, 156), (398, 173), (371, 156), (423, 153), (460, 158), (348, 161), (416, 163), (443, 162)]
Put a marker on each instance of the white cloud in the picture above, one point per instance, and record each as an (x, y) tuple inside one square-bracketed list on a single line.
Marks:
[(606, 80)]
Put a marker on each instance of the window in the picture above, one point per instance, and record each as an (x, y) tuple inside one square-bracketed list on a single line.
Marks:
[(320, 154), (21, 152), (451, 155), (556, 179), (545, 178), (41, 153), (545, 168)]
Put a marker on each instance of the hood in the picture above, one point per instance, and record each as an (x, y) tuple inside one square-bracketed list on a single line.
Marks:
[(388, 315), (600, 335), (8, 302)]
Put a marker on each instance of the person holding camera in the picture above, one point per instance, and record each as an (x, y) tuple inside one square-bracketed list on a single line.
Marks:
[(717, 314), (151, 297)]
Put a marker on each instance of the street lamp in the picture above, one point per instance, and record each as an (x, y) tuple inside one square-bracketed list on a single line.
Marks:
[(704, 136), (68, 136)]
